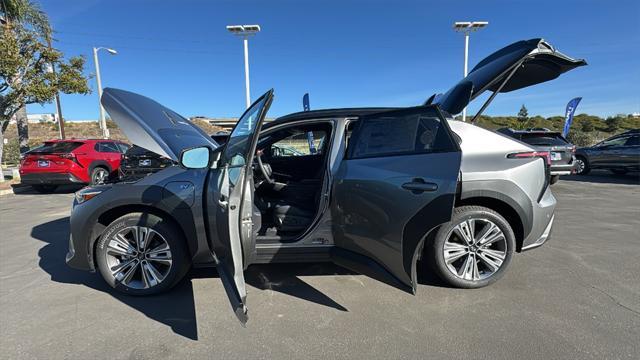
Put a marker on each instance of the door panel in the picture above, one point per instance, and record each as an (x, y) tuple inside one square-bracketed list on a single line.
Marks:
[(398, 182), (231, 230)]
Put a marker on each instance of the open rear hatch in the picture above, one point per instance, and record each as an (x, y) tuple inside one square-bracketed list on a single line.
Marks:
[(519, 65)]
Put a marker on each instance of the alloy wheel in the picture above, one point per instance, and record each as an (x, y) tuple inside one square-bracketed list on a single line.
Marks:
[(138, 257), (100, 176), (579, 166), (475, 249)]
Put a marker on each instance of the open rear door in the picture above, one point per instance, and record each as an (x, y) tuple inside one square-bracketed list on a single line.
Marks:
[(232, 204), (397, 182)]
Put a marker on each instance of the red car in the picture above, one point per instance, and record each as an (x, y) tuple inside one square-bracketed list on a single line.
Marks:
[(72, 161)]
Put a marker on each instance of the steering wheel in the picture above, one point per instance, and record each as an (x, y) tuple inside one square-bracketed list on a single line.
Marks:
[(265, 168)]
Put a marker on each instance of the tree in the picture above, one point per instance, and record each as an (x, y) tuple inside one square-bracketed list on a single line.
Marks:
[(587, 125), (25, 78), (613, 123), (523, 117)]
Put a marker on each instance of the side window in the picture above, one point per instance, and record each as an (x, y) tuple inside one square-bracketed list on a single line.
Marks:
[(302, 143), (614, 142), (107, 147), (404, 133), (633, 141), (123, 147)]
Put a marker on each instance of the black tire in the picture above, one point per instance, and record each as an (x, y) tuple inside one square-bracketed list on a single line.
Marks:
[(98, 173), (169, 232), (554, 179), (586, 169), (435, 254), (619, 171), (45, 189)]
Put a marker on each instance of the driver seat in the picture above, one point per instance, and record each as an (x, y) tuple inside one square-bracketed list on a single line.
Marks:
[(291, 218)]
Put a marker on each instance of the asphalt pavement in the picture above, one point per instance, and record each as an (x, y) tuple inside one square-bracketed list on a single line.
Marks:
[(577, 297)]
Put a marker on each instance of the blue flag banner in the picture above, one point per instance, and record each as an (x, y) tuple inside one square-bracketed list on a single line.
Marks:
[(305, 102), (312, 145), (568, 115)]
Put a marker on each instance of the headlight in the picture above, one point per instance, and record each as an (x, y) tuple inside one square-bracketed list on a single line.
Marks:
[(87, 194)]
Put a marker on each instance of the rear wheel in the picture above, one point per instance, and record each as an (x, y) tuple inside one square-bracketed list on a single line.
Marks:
[(474, 249), (142, 254), (582, 166), (99, 175), (45, 189)]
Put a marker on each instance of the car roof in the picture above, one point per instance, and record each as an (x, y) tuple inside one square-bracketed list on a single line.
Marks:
[(329, 113)]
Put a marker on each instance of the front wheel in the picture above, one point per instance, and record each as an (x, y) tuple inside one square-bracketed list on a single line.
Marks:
[(142, 254), (474, 249)]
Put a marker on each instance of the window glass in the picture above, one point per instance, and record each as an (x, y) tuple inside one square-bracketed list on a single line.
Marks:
[(399, 135), (633, 141), (107, 147), (614, 142), (300, 144), (123, 147), (56, 147)]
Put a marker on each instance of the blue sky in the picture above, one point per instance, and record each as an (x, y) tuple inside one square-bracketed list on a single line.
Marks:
[(344, 53)]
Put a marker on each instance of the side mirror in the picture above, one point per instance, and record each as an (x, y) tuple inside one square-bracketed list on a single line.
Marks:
[(196, 158)]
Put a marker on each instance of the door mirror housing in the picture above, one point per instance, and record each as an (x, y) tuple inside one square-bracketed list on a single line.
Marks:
[(196, 158)]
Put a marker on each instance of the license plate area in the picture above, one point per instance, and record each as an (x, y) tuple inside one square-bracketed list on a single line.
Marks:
[(43, 163), (144, 162), (556, 156)]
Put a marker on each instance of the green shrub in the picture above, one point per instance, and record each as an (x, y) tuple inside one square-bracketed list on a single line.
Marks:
[(581, 138), (11, 152)]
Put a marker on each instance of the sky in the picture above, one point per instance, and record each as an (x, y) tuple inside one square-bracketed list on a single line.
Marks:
[(345, 53)]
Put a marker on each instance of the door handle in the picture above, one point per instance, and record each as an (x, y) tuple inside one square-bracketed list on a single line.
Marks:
[(418, 186)]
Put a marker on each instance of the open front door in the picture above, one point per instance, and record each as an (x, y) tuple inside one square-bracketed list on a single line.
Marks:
[(231, 205), (397, 182)]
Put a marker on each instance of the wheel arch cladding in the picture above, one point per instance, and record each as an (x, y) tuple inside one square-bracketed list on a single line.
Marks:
[(513, 217), (112, 214), (99, 163)]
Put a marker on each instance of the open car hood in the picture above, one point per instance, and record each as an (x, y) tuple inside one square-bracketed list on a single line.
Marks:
[(536, 62), (152, 126)]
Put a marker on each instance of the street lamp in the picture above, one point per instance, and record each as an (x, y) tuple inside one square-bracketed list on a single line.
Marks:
[(245, 31), (467, 27), (103, 121)]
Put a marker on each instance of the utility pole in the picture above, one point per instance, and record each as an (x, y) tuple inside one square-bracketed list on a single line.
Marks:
[(467, 27), (103, 121)]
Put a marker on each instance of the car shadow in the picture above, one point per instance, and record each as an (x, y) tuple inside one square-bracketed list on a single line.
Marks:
[(605, 177), (21, 189), (176, 308)]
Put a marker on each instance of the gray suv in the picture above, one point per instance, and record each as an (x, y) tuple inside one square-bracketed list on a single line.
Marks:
[(371, 189)]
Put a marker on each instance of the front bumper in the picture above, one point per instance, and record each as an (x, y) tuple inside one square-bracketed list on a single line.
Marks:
[(49, 178)]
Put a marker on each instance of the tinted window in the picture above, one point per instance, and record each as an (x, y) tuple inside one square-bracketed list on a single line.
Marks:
[(633, 141), (399, 135), (107, 147), (542, 140), (614, 142), (56, 147), (123, 147)]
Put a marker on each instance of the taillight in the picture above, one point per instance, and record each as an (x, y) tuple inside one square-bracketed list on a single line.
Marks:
[(573, 149), (532, 154)]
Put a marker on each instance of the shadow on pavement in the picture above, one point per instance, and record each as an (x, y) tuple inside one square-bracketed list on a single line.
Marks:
[(20, 189), (176, 308), (605, 177)]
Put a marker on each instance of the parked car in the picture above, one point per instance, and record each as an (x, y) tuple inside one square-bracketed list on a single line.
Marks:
[(386, 188), (139, 162), (73, 161), (618, 154), (560, 149)]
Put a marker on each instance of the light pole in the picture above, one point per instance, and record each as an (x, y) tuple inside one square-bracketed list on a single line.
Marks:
[(103, 121), (467, 27), (245, 31)]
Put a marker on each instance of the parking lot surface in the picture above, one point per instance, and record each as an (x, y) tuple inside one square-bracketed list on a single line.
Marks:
[(577, 297)]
